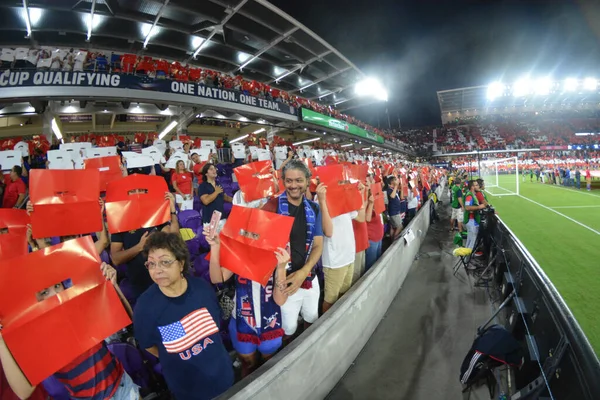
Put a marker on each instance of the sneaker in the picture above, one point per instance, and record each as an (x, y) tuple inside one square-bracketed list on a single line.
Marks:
[(478, 253)]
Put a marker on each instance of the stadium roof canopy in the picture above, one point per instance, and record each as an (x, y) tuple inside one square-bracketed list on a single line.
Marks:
[(476, 100), (248, 37)]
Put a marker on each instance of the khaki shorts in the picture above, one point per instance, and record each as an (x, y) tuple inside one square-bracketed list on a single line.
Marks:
[(337, 282), (457, 214), (396, 220)]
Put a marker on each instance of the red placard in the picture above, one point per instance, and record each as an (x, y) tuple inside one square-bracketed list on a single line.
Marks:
[(252, 256), (255, 180), (13, 233), (356, 172), (331, 160), (331, 174), (127, 210), (139, 138), (76, 319), (404, 183), (377, 192), (65, 202), (109, 167), (342, 195), (343, 198)]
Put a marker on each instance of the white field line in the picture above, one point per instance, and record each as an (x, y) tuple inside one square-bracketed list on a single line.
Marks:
[(562, 215), (583, 190), (576, 207)]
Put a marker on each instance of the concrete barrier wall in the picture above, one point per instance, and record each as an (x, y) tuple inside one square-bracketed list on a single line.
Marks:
[(313, 364)]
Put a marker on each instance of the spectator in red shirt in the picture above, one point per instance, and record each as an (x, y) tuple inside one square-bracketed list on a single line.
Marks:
[(14, 193), (182, 183), (374, 230)]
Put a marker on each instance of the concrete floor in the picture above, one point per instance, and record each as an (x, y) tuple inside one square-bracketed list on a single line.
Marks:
[(418, 347)]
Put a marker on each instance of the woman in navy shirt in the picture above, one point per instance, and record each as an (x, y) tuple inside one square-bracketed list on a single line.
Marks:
[(211, 195), (177, 320)]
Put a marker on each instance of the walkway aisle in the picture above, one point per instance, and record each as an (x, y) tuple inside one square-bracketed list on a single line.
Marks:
[(418, 347)]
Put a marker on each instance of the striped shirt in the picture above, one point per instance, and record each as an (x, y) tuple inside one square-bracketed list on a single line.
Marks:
[(95, 375)]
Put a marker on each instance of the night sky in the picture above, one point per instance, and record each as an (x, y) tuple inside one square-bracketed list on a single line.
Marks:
[(418, 47)]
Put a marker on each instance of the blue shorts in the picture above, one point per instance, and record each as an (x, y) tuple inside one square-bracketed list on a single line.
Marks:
[(265, 348)]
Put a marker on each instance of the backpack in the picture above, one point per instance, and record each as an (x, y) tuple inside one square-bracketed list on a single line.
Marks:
[(493, 347)]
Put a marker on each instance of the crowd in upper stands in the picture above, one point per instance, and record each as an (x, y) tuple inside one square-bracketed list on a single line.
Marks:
[(80, 60), (200, 320)]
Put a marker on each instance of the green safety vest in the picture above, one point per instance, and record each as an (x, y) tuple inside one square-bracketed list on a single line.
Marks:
[(455, 190), (467, 213)]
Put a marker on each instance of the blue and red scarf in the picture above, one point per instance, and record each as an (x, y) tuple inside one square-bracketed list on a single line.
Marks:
[(283, 208), (245, 319)]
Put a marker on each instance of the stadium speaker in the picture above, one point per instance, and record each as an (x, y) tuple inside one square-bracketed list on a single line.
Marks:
[(82, 104), (126, 104), (162, 106)]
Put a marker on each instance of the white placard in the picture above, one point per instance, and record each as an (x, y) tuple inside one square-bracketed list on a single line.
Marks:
[(187, 205), (253, 152), (280, 152), (60, 159), (203, 153), (176, 145), (97, 152), (10, 158), (153, 152), (139, 162), (263, 154), (176, 157), (239, 150), (208, 144), (23, 147), (160, 144), (319, 155)]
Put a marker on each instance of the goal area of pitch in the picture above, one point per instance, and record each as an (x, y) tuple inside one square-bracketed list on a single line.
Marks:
[(501, 176)]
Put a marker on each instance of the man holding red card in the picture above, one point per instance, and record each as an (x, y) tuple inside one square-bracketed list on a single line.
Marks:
[(306, 244)]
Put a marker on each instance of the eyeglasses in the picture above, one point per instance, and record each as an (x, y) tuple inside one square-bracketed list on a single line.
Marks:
[(162, 264)]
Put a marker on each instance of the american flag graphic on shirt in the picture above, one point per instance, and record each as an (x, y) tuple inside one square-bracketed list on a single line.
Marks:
[(183, 334)]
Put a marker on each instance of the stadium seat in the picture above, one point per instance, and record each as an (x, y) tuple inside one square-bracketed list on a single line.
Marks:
[(133, 363), (190, 219), (56, 390)]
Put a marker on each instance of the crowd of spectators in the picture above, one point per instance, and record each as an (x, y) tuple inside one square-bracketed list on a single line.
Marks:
[(198, 324), (81, 60)]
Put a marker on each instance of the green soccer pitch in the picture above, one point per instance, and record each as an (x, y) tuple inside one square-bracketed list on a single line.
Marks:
[(560, 227)]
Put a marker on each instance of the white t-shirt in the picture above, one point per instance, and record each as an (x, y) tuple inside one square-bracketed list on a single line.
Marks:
[(339, 249), (238, 200)]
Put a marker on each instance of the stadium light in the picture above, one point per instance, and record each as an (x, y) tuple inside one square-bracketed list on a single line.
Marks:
[(522, 87), (347, 145), (590, 84), (56, 129), (570, 85), (256, 132), (495, 89), (168, 129), (306, 141), (542, 86), (237, 139), (372, 88)]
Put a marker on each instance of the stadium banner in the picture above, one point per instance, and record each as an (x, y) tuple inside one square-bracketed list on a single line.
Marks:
[(316, 118), (554, 148), (106, 80)]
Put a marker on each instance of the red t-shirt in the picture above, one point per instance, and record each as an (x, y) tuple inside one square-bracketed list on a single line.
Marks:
[(183, 181), (375, 228), (480, 197), (12, 192), (361, 236), (198, 170)]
